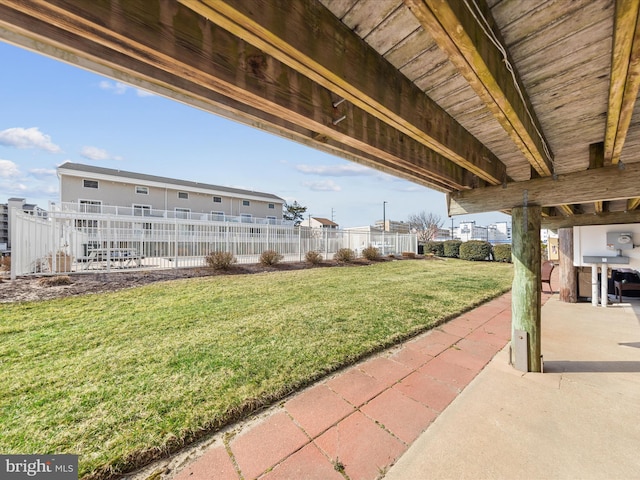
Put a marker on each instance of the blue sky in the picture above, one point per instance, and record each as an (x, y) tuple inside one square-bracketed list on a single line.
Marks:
[(51, 112)]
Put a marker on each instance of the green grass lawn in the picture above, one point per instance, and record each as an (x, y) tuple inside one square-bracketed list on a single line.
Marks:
[(112, 376)]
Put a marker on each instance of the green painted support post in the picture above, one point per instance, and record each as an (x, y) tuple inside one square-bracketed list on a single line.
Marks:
[(526, 290)]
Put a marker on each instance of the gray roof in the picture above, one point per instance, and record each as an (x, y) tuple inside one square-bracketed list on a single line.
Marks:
[(154, 178)]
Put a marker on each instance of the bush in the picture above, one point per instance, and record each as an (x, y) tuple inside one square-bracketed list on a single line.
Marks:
[(371, 253), (475, 250), (452, 248), (409, 254), (5, 263), (55, 281), (436, 248), (270, 257), (313, 257), (345, 255), (502, 253), (220, 260)]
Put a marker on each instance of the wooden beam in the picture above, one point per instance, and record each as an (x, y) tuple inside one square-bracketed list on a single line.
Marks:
[(604, 184), (625, 77), (565, 209), (310, 39), (607, 218), (596, 160), (463, 33), (208, 67), (526, 304), (633, 203), (568, 274)]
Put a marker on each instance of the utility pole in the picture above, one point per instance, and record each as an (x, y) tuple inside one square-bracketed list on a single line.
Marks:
[(384, 216)]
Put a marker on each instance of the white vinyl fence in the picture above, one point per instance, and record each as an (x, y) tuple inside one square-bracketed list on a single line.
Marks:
[(74, 242)]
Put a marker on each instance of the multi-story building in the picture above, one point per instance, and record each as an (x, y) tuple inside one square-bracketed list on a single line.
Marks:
[(5, 219), (393, 226), (94, 189)]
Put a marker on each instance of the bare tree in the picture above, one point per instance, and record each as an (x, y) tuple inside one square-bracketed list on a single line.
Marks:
[(425, 225)]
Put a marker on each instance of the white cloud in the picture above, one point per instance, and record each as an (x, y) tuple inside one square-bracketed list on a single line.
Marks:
[(28, 138), (42, 172), (116, 87), (336, 170), (120, 88), (97, 154), (8, 169), (323, 186)]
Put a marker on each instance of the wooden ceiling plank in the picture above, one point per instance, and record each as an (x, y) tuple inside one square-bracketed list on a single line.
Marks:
[(478, 59), (310, 39), (625, 77), (588, 186), (303, 104)]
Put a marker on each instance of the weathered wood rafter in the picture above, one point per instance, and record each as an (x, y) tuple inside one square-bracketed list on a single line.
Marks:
[(633, 203), (606, 184), (237, 78), (625, 77), (459, 33), (308, 38), (584, 219)]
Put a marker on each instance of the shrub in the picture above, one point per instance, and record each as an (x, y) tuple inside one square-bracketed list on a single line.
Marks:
[(452, 248), (55, 281), (436, 248), (371, 253), (220, 260), (313, 257), (502, 253), (345, 255), (409, 254), (5, 263), (475, 250), (270, 257)]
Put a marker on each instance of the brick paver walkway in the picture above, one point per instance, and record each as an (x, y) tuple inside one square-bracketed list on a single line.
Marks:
[(357, 423)]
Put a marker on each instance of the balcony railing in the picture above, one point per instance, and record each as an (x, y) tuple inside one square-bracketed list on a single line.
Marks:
[(151, 213)]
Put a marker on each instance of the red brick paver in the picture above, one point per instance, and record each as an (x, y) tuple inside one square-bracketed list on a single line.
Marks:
[(266, 444), (363, 448)]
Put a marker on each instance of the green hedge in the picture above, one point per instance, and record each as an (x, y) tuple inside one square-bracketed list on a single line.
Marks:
[(502, 253), (452, 248), (436, 248), (475, 250)]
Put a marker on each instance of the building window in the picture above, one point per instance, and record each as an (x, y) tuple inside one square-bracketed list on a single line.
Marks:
[(271, 220), (217, 199), (183, 195), (142, 190), (217, 216), (271, 205), (182, 212), (246, 203), (90, 183), (142, 210), (245, 218), (90, 206)]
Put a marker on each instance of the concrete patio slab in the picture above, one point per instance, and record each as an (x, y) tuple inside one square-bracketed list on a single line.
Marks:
[(578, 420)]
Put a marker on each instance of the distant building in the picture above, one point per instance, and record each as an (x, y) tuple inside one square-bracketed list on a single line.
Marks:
[(470, 231), (5, 219), (393, 226), (93, 188), (318, 222)]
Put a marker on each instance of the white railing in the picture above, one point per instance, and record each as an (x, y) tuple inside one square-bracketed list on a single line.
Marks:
[(73, 242), (72, 207)]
